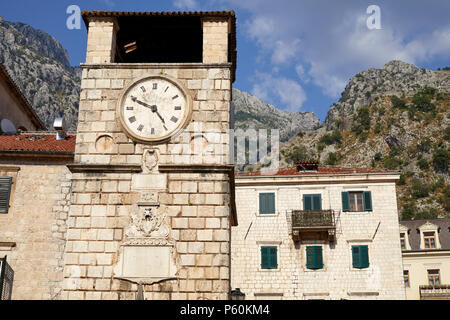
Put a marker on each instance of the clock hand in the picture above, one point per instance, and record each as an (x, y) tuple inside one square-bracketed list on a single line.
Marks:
[(160, 117), (141, 103)]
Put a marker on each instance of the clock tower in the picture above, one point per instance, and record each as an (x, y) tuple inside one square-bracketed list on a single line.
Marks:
[(152, 198)]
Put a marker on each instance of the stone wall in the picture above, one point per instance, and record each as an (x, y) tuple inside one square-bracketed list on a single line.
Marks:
[(36, 224), (338, 279)]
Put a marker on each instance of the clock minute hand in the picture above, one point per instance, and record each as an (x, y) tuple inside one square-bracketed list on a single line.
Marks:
[(160, 117)]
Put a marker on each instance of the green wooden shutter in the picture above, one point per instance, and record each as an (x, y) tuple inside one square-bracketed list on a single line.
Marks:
[(269, 258), (360, 256), (318, 257), (267, 203), (273, 257), (265, 260), (310, 257), (317, 202), (364, 256), (307, 202), (5, 193), (367, 201), (345, 202), (314, 258), (356, 257)]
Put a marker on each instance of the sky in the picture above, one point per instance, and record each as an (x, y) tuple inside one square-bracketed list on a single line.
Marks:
[(295, 54)]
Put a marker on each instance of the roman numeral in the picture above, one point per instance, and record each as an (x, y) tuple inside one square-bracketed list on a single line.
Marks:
[(175, 97), (140, 127), (130, 108), (178, 108), (155, 86), (174, 119), (132, 119), (143, 89), (166, 89), (165, 128), (153, 130)]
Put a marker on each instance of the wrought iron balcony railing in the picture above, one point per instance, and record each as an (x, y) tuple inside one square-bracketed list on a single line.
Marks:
[(438, 292), (313, 221)]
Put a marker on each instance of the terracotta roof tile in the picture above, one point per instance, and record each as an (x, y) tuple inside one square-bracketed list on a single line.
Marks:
[(292, 171), (37, 142)]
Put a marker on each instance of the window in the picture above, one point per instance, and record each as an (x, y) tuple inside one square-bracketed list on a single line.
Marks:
[(406, 277), (433, 278), (269, 258), (429, 240), (357, 201), (402, 241), (5, 193), (360, 255), (314, 257), (312, 202), (267, 203)]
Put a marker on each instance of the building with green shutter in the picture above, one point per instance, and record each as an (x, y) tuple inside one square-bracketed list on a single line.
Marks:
[(311, 232)]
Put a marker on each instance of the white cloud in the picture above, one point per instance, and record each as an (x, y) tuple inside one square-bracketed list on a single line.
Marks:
[(288, 91), (109, 3), (186, 4), (332, 38)]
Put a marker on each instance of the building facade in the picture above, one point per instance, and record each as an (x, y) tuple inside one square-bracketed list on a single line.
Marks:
[(34, 204), (16, 113), (426, 258), (317, 233)]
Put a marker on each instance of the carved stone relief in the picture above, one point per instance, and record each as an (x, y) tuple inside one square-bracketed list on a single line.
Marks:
[(148, 221)]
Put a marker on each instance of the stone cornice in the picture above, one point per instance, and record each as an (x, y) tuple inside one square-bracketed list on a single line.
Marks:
[(196, 168), (195, 65), (104, 168)]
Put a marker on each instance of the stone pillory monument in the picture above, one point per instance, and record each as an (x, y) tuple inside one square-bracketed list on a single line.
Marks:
[(152, 198)]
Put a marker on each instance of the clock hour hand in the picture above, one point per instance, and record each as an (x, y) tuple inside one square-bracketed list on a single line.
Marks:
[(141, 103)]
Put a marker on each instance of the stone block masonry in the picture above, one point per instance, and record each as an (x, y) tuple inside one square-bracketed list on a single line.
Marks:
[(36, 224)]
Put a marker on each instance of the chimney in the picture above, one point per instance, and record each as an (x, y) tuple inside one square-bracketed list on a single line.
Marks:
[(60, 127), (307, 166)]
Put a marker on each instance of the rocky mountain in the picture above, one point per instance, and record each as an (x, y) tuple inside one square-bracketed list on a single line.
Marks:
[(40, 66), (396, 77), (251, 112), (396, 118)]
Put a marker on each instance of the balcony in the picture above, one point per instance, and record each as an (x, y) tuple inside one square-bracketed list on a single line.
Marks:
[(436, 292), (313, 224)]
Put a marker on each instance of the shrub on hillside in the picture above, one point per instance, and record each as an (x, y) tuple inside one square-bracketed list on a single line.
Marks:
[(397, 102), (408, 211), (419, 189), (421, 101), (441, 160), (331, 138), (332, 159)]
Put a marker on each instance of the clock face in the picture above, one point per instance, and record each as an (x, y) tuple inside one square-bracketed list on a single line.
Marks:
[(153, 109)]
